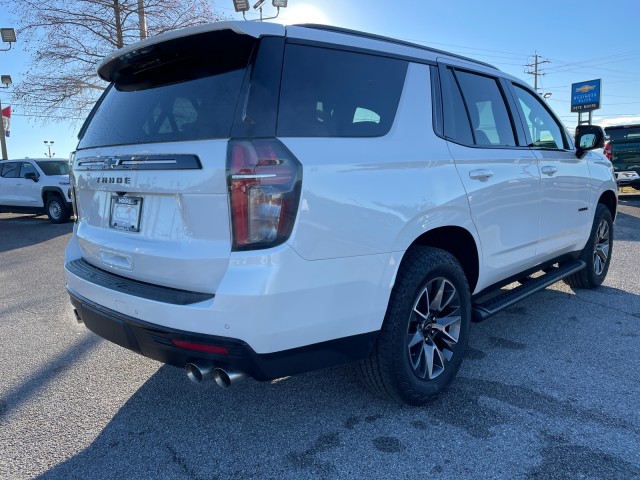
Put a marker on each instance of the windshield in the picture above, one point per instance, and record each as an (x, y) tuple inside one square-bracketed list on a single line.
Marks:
[(54, 167)]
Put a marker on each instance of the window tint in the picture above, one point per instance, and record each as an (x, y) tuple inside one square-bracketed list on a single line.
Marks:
[(25, 168), (10, 170), (487, 110), (54, 168), (456, 120), (188, 90), (542, 128), (332, 93)]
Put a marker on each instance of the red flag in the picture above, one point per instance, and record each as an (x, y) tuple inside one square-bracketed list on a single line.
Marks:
[(6, 119)]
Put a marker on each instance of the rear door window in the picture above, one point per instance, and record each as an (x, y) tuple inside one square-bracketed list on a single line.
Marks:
[(456, 120), (10, 170), (334, 93), (490, 121)]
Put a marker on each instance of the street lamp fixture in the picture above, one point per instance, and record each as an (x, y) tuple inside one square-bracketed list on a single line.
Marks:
[(8, 35), (49, 144), (547, 95), (243, 6)]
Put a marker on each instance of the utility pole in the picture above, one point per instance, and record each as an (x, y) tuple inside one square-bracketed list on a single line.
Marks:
[(142, 20), (535, 72)]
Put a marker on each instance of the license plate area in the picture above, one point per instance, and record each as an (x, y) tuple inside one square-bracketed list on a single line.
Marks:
[(125, 213)]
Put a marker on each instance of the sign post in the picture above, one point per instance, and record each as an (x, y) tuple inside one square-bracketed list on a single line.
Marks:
[(585, 97)]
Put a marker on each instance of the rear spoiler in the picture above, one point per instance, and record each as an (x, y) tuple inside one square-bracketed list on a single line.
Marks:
[(112, 63)]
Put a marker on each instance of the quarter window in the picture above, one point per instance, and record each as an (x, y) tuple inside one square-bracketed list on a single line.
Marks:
[(542, 128), (334, 93)]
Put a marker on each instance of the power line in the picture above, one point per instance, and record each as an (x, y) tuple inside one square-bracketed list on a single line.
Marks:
[(599, 60)]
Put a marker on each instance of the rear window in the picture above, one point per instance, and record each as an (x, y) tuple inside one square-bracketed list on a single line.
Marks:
[(334, 93), (622, 134), (186, 89), (54, 168)]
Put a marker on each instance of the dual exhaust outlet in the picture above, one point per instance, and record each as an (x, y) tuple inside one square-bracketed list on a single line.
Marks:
[(198, 372)]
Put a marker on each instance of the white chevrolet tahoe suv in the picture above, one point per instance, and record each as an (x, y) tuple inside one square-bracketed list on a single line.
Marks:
[(255, 200), (36, 185)]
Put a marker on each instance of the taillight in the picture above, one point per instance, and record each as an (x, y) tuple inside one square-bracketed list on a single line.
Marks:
[(608, 151), (264, 181)]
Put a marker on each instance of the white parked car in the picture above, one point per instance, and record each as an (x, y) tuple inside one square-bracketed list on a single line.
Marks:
[(260, 200), (36, 185)]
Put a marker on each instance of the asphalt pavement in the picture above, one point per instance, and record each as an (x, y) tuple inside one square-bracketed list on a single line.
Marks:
[(550, 389)]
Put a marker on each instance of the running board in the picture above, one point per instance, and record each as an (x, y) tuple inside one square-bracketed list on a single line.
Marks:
[(482, 311)]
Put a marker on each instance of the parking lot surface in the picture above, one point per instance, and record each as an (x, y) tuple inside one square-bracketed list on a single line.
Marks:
[(550, 389)]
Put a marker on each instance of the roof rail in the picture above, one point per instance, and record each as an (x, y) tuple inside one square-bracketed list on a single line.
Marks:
[(372, 36)]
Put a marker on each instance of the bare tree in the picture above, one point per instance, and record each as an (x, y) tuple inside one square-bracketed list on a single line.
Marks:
[(69, 38)]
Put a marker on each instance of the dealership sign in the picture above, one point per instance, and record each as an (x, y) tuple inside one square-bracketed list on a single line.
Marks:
[(585, 96)]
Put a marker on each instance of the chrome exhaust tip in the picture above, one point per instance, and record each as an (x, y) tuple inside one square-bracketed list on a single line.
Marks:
[(227, 378), (198, 372)]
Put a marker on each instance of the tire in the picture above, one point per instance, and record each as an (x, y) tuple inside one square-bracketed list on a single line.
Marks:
[(596, 253), (57, 210), (414, 359)]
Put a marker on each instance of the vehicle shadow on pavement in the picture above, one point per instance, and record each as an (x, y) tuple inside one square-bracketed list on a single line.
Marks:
[(627, 227), (323, 425), (19, 231)]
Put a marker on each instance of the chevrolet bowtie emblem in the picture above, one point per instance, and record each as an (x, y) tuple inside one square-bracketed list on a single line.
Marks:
[(109, 163)]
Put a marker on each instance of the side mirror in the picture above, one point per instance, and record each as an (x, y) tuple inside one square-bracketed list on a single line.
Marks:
[(31, 176), (588, 137)]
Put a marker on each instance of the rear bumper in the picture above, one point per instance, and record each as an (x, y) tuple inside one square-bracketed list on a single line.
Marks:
[(154, 341), (635, 183)]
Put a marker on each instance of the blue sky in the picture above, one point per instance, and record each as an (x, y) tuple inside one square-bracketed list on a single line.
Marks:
[(582, 40)]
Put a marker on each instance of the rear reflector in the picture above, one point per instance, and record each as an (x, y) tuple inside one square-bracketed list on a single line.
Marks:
[(200, 347)]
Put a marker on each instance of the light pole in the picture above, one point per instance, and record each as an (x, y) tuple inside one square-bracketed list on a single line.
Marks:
[(8, 35), (6, 81), (49, 144)]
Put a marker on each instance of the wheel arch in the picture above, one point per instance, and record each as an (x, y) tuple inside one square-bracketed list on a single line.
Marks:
[(609, 200), (460, 243), (49, 191)]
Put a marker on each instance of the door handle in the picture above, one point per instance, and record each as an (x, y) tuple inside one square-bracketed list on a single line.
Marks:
[(547, 170), (481, 174)]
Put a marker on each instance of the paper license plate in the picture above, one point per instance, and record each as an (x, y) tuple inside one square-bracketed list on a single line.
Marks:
[(125, 213)]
